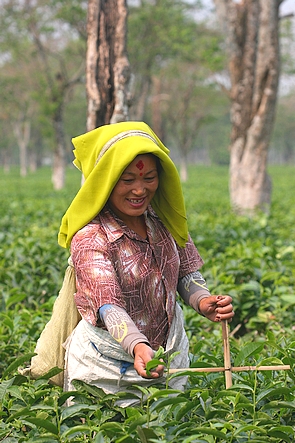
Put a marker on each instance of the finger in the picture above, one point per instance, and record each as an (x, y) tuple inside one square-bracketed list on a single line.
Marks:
[(141, 371), (223, 300), (227, 316), (157, 372), (154, 373), (224, 309), (140, 367), (222, 315)]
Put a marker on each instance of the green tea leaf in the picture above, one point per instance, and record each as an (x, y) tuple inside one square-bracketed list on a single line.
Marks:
[(246, 428), (273, 392), (112, 427), (51, 373), (248, 350), (99, 438), (279, 405), (22, 412), (202, 430), (41, 423), (164, 393), (93, 390), (270, 361), (145, 434), (76, 429), (160, 353), (152, 364), (3, 388), (74, 410), (282, 433), (18, 362), (168, 402)]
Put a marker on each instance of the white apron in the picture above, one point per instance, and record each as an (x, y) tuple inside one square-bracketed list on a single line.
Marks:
[(93, 356)]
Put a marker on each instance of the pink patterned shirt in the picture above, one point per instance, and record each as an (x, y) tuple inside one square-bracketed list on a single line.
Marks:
[(116, 266)]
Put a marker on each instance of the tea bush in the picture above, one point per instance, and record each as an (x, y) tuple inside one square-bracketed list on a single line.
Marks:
[(249, 258)]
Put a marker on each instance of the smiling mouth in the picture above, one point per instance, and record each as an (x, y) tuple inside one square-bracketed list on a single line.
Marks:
[(137, 201)]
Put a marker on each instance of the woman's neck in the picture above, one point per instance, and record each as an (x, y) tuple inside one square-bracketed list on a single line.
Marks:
[(136, 224)]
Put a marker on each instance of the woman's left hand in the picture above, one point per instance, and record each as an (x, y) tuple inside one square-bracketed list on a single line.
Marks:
[(217, 307)]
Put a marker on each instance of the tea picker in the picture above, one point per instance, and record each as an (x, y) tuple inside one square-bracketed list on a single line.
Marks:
[(228, 369)]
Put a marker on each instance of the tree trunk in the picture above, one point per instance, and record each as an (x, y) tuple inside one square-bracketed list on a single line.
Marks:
[(6, 160), (156, 108), (183, 168), (33, 162), (107, 66), (58, 169), (22, 130), (253, 45)]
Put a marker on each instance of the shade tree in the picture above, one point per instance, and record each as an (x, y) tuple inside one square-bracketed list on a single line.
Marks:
[(252, 41), (57, 58), (107, 65)]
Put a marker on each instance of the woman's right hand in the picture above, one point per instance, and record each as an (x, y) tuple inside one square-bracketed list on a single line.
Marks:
[(142, 355)]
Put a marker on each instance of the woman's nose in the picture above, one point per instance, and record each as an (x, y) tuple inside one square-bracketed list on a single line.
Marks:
[(139, 189)]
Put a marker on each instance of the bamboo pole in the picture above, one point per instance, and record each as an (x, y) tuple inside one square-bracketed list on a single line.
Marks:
[(228, 369), (233, 369), (226, 351)]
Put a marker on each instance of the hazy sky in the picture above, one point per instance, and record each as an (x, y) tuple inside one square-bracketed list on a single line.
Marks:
[(287, 6)]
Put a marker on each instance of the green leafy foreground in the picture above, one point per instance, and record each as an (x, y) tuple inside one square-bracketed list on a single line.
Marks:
[(250, 259)]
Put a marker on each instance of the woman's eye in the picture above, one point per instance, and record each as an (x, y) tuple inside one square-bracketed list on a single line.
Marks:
[(150, 179)]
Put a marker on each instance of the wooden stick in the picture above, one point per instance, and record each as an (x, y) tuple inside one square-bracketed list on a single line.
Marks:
[(226, 350), (261, 368), (228, 369), (233, 369)]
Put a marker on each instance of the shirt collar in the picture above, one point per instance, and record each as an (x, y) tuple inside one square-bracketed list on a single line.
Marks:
[(114, 227)]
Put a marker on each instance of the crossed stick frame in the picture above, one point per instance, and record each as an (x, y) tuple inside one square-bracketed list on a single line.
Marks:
[(228, 369)]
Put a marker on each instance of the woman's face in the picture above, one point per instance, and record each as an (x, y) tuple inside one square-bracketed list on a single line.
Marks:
[(135, 188)]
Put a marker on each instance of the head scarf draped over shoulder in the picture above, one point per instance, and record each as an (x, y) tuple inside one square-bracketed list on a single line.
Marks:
[(102, 155)]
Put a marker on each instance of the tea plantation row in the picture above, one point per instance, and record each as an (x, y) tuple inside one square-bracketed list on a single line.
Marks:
[(250, 259)]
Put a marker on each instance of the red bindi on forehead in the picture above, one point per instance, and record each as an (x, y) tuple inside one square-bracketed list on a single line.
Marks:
[(140, 165)]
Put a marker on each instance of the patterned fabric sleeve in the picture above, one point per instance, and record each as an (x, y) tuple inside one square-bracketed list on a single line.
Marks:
[(190, 259), (122, 328), (96, 278), (192, 288)]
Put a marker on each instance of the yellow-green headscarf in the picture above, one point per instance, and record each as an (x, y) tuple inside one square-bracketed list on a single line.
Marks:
[(102, 155)]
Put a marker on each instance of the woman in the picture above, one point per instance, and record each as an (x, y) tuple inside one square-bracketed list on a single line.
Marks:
[(132, 253)]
